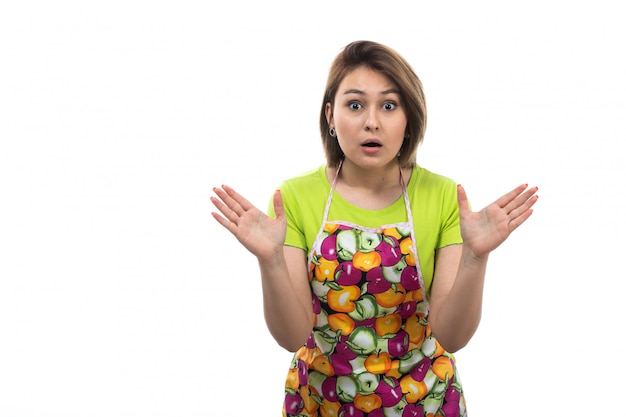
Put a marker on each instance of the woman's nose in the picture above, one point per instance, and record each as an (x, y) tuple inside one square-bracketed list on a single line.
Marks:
[(371, 123)]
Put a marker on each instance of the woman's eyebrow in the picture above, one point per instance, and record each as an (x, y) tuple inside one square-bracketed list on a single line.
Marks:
[(361, 92)]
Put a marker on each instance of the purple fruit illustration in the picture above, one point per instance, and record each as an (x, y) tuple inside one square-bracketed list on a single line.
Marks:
[(376, 282), (293, 403), (419, 372), (349, 410), (329, 389), (329, 247), (389, 391), (347, 274), (341, 364), (398, 345), (413, 410), (389, 250), (409, 279)]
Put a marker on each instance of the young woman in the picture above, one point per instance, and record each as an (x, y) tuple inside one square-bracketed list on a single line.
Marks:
[(372, 267)]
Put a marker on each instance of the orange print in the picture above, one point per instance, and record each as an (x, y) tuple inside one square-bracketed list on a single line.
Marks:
[(415, 329), (309, 395), (442, 367), (367, 402), (366, 260), (323, 365), (330, 227), (341, 322), (292, 379), (342, 300), (329, 408), (325, 269), (413, 390), (406, 246), (392, 297), (392, 231), (439, 350), (389, 324), (414, 295), (394, 371), (378, 363)]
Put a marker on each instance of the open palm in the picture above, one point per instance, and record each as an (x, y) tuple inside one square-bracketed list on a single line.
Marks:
[(262, 235), (485, 230)]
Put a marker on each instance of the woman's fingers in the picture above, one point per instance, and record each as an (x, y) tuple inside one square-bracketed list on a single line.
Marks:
[(226, 205)]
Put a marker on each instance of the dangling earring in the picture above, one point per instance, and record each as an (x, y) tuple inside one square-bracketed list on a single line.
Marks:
[(332, 132)]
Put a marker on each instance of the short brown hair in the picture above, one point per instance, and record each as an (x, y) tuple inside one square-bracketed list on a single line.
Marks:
[(391, 64)]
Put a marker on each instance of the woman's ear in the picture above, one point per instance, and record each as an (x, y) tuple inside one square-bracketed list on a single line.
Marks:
[(329, 114)]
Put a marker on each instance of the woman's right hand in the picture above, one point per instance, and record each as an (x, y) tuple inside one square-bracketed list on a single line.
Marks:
[(262, 235)]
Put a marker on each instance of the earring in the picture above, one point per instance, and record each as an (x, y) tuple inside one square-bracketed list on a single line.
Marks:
[(332, 132)]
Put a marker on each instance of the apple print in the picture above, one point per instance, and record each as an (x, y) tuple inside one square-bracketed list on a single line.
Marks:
[(365, 308), (376, 282), (329, 389), (363, 340), (368, 241), (398, 345), (389, 391), (343, 349), (368, 382), (394, 273), (347, 274), (407, 309), (349, 410), (328, 248), (410, 361), (316, 379), (419, 372), (303, 373), (347, 244), (396, 410), (347, 388), (341, 364), (409, 279), (293, 403), (389, 250), (432, 404), (414, 410)]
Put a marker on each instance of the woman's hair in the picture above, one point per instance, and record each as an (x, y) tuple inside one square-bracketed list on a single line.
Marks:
[(388, 62)]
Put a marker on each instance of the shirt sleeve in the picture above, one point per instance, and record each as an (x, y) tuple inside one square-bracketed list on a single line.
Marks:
[(295, 230), (450, 233)]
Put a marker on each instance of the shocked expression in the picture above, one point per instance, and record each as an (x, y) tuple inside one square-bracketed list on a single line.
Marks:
[(369, 118)]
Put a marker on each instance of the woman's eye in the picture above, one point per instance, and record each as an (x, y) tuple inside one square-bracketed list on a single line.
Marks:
[(355, 106), (389, 106)]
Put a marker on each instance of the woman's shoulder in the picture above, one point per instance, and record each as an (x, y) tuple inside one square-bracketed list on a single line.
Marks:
[(306, 182), (424, 177)]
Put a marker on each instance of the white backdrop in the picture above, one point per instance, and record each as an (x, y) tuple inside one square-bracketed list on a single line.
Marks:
[(121, 296)]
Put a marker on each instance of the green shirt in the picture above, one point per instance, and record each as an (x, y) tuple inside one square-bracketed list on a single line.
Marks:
[(433, 200)]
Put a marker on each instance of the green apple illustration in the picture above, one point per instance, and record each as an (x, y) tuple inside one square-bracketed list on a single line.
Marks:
[(347, 242), (433, 403), (394, 273), (368, 241), (366, 307), (368, 382), (347, 388), (363, 340), (410, 361)]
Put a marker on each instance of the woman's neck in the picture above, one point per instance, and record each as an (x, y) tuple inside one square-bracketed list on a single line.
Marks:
[(371, 189)]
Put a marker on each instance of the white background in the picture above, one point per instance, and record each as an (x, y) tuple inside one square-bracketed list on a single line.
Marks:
[(121, 296)]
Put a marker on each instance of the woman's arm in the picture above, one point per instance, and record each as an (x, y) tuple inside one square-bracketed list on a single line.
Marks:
[(458, 282), (286, 293)]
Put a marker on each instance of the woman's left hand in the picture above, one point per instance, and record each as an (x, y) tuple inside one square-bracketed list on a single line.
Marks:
[(485, 230)]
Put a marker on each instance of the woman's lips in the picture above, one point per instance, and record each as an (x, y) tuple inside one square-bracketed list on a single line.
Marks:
[(371, 146)]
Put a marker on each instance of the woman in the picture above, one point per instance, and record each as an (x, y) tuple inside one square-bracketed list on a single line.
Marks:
[(372, 267)]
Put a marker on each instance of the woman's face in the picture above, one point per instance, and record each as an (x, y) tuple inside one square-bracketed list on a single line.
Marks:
[(369, 118)]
